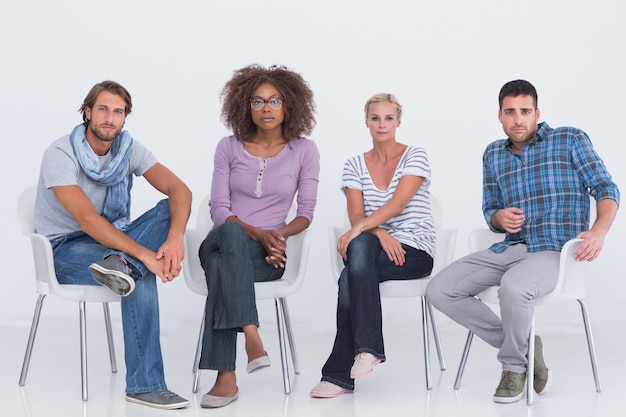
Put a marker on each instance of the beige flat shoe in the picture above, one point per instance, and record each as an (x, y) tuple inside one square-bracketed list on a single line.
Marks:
[(213, 401), (258, 363)]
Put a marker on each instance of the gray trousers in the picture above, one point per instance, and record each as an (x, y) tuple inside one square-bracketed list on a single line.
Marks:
[(522, 277)]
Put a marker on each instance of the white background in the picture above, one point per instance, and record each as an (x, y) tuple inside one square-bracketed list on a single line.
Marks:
[(446, 62)]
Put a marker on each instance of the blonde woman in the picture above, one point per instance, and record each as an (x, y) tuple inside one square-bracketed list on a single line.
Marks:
[(391, 237)]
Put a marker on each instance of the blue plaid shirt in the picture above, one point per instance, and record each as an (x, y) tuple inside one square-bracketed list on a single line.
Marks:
[(550, 181)]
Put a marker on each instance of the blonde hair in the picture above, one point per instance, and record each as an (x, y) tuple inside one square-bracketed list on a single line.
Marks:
[(384, 98)]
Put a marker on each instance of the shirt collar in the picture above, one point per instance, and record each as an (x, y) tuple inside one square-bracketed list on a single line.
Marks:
[(541, 134)]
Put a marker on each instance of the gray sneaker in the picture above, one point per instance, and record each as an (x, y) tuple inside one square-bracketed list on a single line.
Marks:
[(511, 387), (114, 273), (164, 399), (543, 376)]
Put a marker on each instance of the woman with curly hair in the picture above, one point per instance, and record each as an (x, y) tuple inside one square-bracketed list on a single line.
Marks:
[(257, 173)]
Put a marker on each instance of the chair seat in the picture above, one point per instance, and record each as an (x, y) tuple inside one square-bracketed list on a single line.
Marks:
[(269, 290), (88, 293), (404, 288)]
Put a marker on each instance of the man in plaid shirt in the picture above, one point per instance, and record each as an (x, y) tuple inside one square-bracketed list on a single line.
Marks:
[(536, 188)]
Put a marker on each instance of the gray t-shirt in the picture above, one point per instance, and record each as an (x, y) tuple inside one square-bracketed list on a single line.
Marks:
[(60, 167)]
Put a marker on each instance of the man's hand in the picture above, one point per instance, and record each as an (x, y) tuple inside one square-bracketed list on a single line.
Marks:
[(171, 253), (591, 247), (509, 219)]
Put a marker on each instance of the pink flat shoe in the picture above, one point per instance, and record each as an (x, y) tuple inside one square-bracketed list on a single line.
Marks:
[(258, 363), (327, 389)]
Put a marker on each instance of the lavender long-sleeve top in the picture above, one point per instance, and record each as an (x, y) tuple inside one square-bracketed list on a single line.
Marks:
[(260, 191)]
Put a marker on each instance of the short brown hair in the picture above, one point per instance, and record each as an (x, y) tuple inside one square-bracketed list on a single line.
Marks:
[(517, 88), (110, 87)]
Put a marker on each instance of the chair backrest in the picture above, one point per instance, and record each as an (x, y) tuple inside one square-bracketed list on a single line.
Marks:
[(446, 238), (298, 247), (192, 270), (26, 210), (444, 249), (45, 275), (572, 273), (42, 251)]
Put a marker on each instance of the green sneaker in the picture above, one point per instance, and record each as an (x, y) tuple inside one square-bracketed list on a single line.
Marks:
[(543, 376), (511, 387)]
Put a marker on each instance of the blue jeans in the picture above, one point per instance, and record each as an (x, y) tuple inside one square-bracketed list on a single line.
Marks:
[(359, 315), (73, 253), (232, 263)]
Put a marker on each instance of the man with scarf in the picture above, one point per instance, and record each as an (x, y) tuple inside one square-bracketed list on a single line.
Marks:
[(83, 207)]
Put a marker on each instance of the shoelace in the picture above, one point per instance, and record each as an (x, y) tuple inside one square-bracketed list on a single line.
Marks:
[(167, 394), (507, 381)]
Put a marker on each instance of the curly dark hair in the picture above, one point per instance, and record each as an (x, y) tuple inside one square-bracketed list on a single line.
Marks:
[(298, 104)]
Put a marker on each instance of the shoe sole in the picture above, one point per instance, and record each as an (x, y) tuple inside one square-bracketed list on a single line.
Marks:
[(173, 406), (212, 401), (320, 395), (103, 277), (508, 400)]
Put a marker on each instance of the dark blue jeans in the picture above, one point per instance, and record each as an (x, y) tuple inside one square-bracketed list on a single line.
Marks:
[(73, 253), (232, 263), (359, 315)]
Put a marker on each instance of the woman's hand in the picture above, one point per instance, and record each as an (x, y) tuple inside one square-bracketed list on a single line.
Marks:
[(345, 239), (391, 246), (275, 245)]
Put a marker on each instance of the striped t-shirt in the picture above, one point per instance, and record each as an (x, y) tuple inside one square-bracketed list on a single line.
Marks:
[(414, 226)]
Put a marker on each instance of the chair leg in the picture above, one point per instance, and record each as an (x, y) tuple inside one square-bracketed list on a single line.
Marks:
[(31, 339), (530, 367), (283, 350), (435, 327), (290, 337), (459, 374), (196, 360), (83, 348), (426, 343), (109, 330), (590, 344)]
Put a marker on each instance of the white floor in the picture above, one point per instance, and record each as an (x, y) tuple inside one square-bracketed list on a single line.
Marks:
[(395, 388)]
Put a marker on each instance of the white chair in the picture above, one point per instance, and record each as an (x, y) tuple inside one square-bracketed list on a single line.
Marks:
[(47, 284), (570, 286), (291, 281), (446, 242)]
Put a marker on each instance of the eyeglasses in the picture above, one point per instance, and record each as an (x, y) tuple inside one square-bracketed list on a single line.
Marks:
[(258, 103)]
